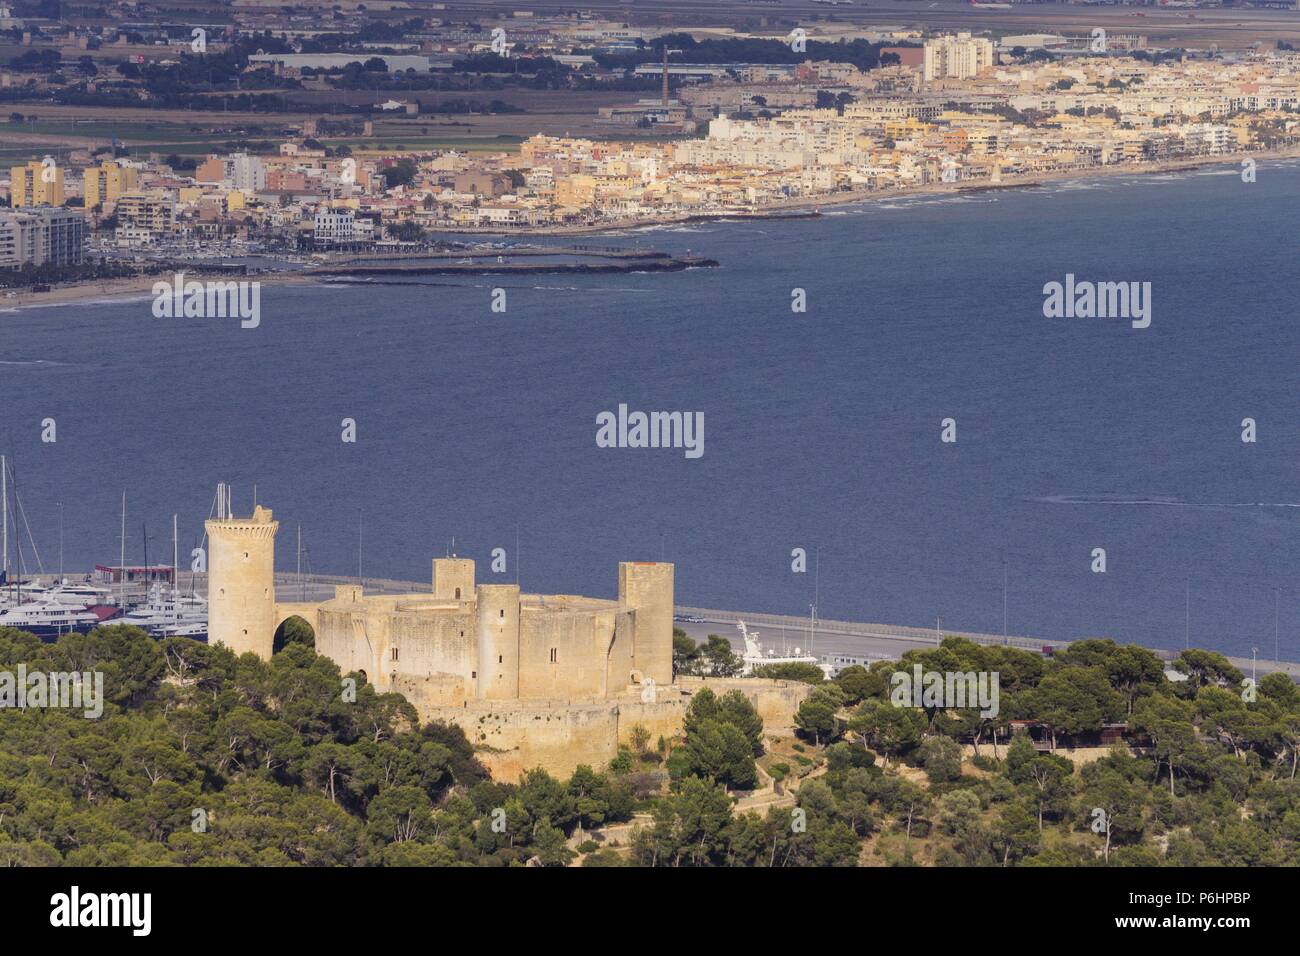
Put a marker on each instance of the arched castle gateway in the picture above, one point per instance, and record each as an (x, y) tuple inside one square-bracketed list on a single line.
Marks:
[(533, 680)]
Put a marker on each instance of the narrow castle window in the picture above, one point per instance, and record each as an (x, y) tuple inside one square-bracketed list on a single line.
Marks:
[(458, 594), (500, 659), (503, 612), (394, 653), (553, 650)]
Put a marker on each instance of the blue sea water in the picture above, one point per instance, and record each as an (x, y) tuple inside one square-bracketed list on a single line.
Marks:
[(822, 429)]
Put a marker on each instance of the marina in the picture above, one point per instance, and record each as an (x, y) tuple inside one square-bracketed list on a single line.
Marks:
[(145, 596)]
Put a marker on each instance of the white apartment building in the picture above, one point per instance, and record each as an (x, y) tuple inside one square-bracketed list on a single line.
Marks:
[(247, 173), (341, 227), (957, 57)]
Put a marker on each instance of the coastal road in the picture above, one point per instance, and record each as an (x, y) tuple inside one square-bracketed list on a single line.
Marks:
[(785, 640), (882, 641), (780, 633)]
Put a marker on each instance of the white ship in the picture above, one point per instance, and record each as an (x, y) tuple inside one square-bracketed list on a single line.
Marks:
[(22, 592), (81, 595), (755, 657), (169, 613), (52, 618)]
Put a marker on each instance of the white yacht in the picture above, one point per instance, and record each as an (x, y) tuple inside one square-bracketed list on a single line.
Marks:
[(83, 594), (169, 613), (22, 592), (74, 595), (755, 657), (52, 618)]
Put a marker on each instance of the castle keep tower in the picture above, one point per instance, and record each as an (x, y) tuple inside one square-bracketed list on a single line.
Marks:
[(453, 579), (498, 642), (647, 586), (241, 582)]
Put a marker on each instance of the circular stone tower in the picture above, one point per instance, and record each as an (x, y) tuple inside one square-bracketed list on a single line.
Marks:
[(241, 582)]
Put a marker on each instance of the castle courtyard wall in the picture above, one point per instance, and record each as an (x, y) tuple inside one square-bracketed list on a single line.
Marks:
[(511, 737)]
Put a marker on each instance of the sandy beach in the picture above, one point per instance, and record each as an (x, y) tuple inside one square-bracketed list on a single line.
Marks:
[(111, 289)]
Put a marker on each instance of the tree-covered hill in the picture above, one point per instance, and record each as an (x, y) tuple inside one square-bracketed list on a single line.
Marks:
[(201, 758)]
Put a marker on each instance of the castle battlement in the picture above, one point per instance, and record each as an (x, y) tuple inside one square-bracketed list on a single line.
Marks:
[(248, 528)]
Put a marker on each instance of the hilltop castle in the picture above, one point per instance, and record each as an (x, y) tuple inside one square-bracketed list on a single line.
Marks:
[(549, 680)]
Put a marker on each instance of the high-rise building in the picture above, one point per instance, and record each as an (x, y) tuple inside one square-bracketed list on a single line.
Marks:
[(957, 57), (247, 173), (108, 181), (39, 183), (41, 235), (240, 171)]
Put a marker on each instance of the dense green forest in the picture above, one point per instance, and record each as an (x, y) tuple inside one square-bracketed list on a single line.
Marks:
[(1205, 776), (202, 758)]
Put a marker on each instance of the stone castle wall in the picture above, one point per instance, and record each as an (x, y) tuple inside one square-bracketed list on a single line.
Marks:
[(511, 737)]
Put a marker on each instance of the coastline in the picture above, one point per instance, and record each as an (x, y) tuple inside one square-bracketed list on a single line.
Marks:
[(801, 207), (796, 208), (108, 290)]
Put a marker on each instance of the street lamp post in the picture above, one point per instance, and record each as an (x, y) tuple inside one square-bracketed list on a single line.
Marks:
[(1277, 597), (1005, 639)]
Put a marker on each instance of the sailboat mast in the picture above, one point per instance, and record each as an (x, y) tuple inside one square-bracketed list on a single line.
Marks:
[(176, 590), (18, 538), (121, 561), (4, 521)]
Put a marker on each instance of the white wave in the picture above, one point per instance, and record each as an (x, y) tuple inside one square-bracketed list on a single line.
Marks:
[(1156, 501), (82, 303)]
